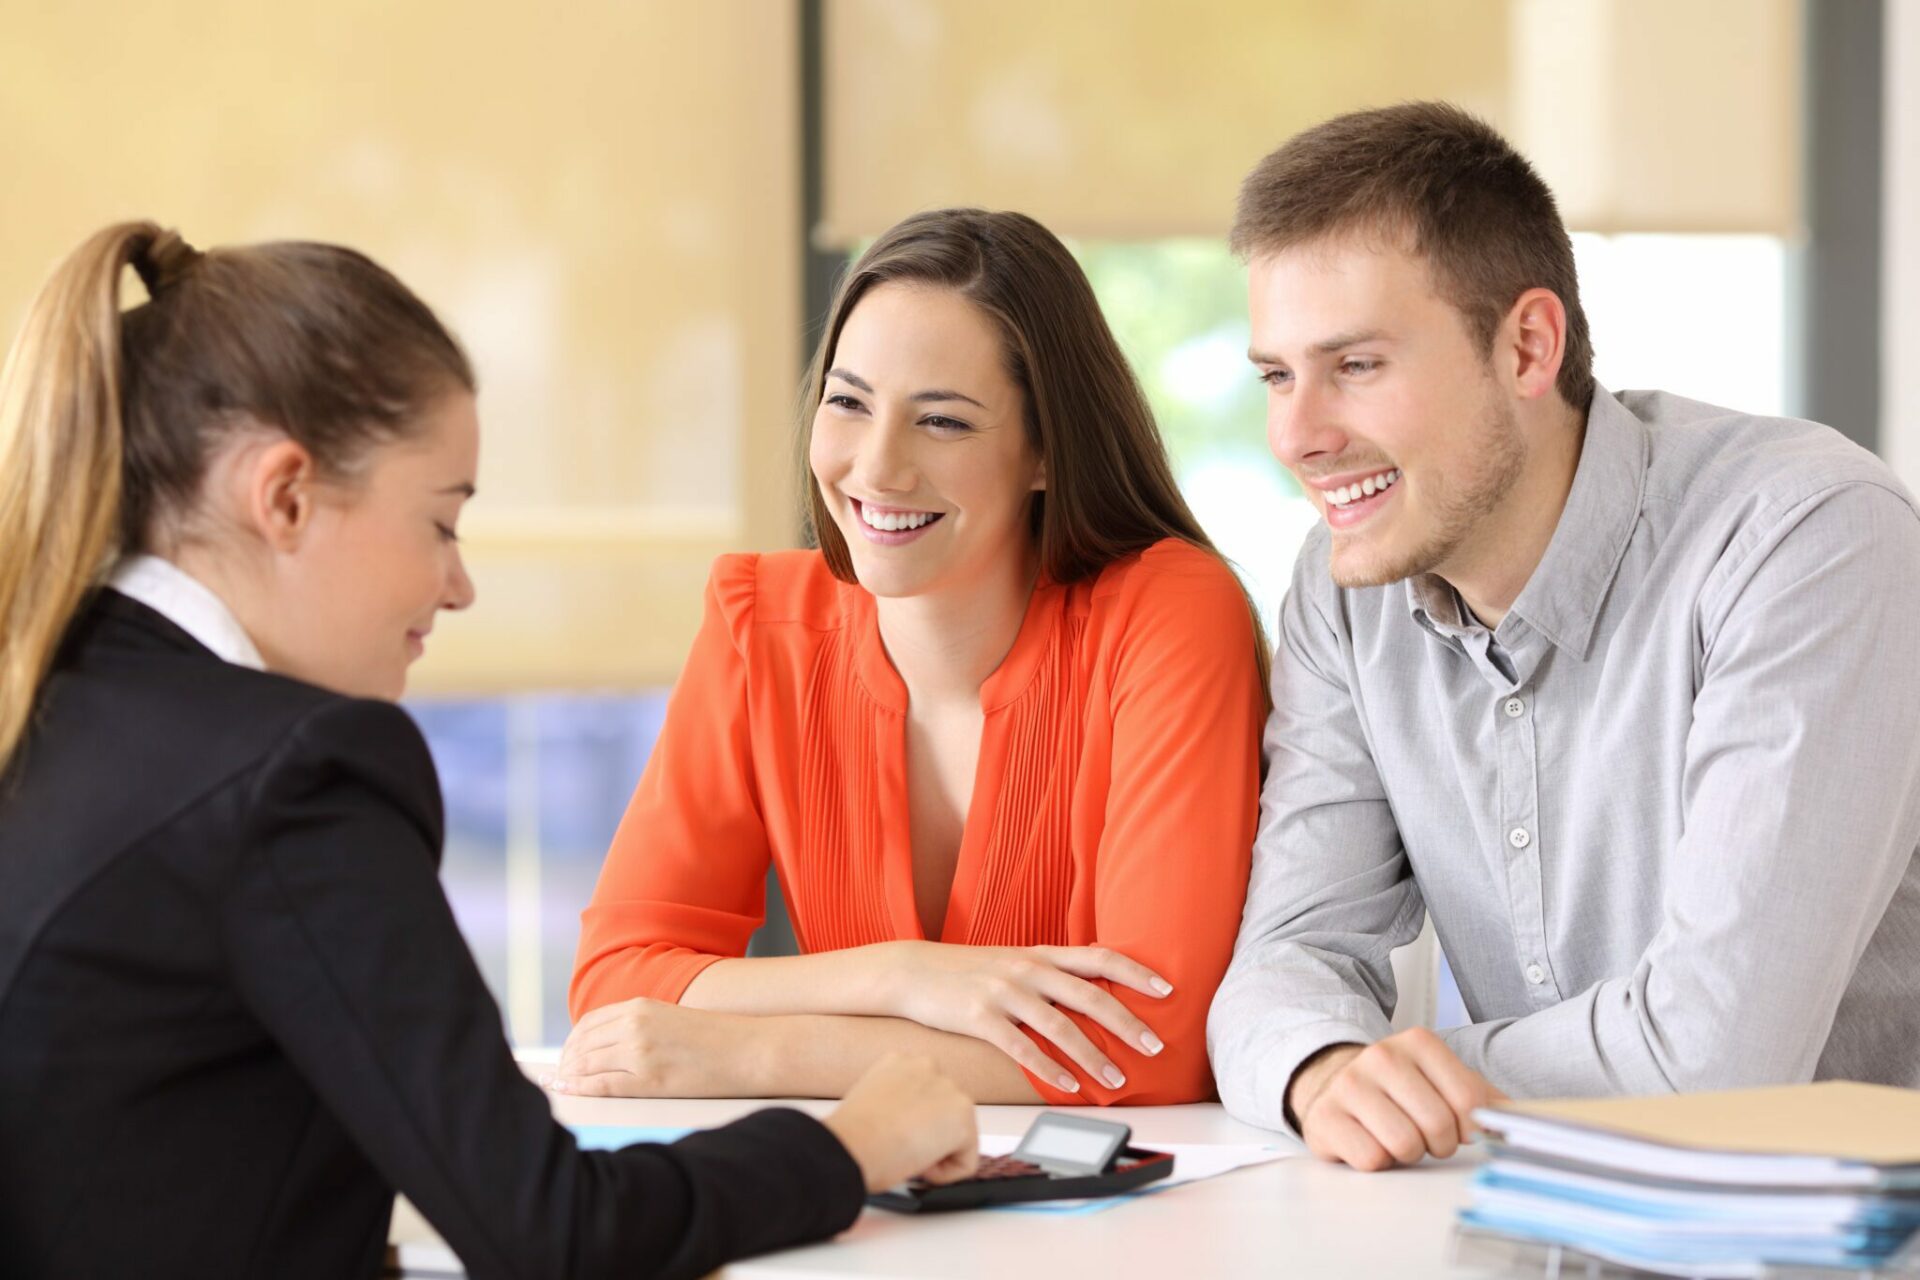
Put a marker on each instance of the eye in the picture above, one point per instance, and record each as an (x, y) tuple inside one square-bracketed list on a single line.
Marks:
[(841, 400), (1358, 367), (446, 532), (941, 422), (1274, 377)]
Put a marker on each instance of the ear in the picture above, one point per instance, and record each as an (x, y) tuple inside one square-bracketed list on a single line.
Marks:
[(1040, 476), (1535, 335), (279, 493)]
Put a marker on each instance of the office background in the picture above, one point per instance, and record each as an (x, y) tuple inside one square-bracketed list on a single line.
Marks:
[(633, 211)]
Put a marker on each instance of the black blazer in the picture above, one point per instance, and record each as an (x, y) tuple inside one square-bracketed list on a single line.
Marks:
[(235, 1011)]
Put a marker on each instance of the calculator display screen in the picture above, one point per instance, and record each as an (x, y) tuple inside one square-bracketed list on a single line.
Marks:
[(1048, 1142)]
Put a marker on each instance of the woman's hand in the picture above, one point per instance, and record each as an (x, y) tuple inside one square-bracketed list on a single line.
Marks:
[(650, 1049), (903, 1118), (989, 993)]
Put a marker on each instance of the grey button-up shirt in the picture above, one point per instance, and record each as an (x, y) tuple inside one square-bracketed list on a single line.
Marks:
[(1664, 816)]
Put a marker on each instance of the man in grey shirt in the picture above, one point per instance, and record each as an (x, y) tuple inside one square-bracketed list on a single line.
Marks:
[(1622, 689)]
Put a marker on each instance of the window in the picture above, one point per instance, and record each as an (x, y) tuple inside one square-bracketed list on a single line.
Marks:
[(1179, 310), (535, 785)]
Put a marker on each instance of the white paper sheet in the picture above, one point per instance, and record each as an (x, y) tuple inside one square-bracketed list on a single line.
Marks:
[(1192, 1161)]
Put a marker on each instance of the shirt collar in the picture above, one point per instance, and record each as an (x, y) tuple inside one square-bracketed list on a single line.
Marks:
[(1562, 598), (187, 603), (1435, 605)]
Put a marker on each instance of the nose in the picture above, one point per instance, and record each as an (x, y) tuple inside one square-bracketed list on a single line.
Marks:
[(1302, 424), (883, 459), (460, 593)]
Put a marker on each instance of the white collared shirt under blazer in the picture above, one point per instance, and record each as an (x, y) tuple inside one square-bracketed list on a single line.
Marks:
[(188, 604), (1664, 816)]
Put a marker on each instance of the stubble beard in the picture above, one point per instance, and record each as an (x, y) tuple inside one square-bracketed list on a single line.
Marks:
[(1496, 456)]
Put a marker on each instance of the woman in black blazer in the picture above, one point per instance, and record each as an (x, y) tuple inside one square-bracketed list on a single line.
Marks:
[(235, 1012)]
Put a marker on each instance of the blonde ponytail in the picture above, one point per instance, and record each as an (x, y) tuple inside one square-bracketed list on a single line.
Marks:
[(108, 421), (61, 442)]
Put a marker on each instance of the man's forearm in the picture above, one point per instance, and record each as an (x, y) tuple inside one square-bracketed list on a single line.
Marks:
[(1280, 1005), (1628, 1036), (1572, 1050)]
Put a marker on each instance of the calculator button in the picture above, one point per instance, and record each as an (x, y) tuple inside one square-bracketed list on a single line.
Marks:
[(998, 1169), (1006, 1167)]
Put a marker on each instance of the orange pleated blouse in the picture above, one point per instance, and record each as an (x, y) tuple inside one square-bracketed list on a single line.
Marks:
[(1114, 800)]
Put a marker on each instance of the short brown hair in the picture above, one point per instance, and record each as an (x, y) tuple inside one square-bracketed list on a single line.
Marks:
[(1110, 490), (1445, 180)]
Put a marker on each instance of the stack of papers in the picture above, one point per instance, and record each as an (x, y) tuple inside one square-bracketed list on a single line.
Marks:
[(1712, 1184)]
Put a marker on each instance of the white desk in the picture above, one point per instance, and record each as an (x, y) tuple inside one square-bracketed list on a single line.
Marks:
[(1296, 1217)]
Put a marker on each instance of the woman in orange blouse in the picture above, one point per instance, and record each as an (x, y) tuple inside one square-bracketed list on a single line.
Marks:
[(999, 735)]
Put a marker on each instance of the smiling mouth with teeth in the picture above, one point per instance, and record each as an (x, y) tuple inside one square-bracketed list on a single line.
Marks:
[(1363, 489), (893, 521)]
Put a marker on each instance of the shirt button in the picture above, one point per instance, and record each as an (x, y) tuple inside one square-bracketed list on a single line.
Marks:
[(1536, 975), (1514, 707), (1519, 838)]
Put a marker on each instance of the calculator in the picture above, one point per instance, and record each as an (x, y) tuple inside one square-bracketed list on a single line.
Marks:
[(1062, 1157)]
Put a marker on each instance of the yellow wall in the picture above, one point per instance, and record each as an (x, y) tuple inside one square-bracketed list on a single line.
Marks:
[(1137, 118), (1663, 115), (1120, 119), (600, 198)]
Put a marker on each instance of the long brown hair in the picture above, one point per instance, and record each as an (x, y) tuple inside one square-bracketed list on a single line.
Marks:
[(107, 422), (1110, 490)]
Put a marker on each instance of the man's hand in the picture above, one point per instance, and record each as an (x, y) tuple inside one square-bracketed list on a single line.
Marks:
[(1387, 1103)]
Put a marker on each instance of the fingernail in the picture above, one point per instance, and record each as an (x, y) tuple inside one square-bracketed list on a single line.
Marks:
[(1113, 1076), (1069, 1084), (1151, 1043), (561, 1086), (1161, 985), (546, 1082)]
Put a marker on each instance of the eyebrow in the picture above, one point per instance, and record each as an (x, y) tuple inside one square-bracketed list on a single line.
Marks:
[(1327, 346), (928, 396)]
